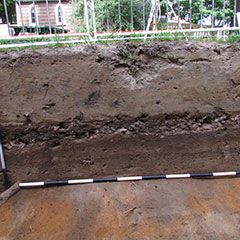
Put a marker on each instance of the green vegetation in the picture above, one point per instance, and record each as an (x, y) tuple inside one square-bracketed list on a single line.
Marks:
[(32, 40), (233, 38), (125, 6), (102, 25), (11, 11), (114, 25), (207, 10)]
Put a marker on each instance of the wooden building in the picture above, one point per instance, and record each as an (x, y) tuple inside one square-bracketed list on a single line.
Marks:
[(32, 15)]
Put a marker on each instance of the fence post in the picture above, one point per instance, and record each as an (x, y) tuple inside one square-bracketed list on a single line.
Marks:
[(49, 22), (21, 16), (94, 20), (238, 19), (178, 14), (119, 16), (6, 14), (35, 14), (167, 15), (143, 13), (74, 16), (132, 15), (190, 6), (86, 18), (106, 5), (61, 12), (154, 21), (213, 18), (235, 13), (224, 12)]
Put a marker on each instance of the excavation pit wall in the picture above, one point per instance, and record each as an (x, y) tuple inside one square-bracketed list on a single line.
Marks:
[(120, 110)]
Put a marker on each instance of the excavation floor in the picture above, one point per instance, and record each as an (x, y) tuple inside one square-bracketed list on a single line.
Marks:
[(161, 209)]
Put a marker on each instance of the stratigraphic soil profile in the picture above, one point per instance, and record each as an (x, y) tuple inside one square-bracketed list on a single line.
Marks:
[(121, 110)]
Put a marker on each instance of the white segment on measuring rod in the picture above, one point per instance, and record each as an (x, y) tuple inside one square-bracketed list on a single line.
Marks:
[(178, 176), (129, 178), (31, 184), (219, 174), (80, 181)]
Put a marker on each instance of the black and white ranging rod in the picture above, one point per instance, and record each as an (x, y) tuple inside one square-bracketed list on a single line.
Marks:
[(133, 178), (4, 170)]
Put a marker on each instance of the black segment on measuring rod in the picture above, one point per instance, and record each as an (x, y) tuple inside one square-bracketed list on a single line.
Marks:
[(105, 180), (56, 183), (201, 175), (153, 177)]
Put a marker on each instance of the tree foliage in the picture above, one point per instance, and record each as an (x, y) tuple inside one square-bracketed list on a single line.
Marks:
[(218, 13), (125, 6), (112, 9), (101, 12), (10, 9)]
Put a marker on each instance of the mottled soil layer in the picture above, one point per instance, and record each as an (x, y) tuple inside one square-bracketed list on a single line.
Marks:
[(150, 210), (129, 109)]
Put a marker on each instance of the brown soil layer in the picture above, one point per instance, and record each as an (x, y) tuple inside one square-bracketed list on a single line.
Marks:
[(130, 109), (125, 155)]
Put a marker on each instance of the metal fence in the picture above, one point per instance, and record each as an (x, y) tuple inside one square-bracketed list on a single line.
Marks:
[(92, 20)]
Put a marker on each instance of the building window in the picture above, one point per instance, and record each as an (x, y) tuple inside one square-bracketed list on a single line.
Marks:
[(32, 15), (59, 14)]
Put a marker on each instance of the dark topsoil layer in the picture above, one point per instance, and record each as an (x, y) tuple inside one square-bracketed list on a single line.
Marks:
[(130, 109)]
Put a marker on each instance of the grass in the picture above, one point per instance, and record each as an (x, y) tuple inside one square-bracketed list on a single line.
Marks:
[(31, 40), (231, 38)]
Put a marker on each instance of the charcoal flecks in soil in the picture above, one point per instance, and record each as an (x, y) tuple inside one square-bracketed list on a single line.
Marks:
[(93, 98), (53, 142), (166, 124), (117, 103), (46, 85)]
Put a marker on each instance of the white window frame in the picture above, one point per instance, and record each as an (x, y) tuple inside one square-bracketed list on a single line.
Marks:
[(56, 14), (30, 15)]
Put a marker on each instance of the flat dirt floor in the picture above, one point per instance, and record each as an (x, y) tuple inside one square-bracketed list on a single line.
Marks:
[(147, 210)]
